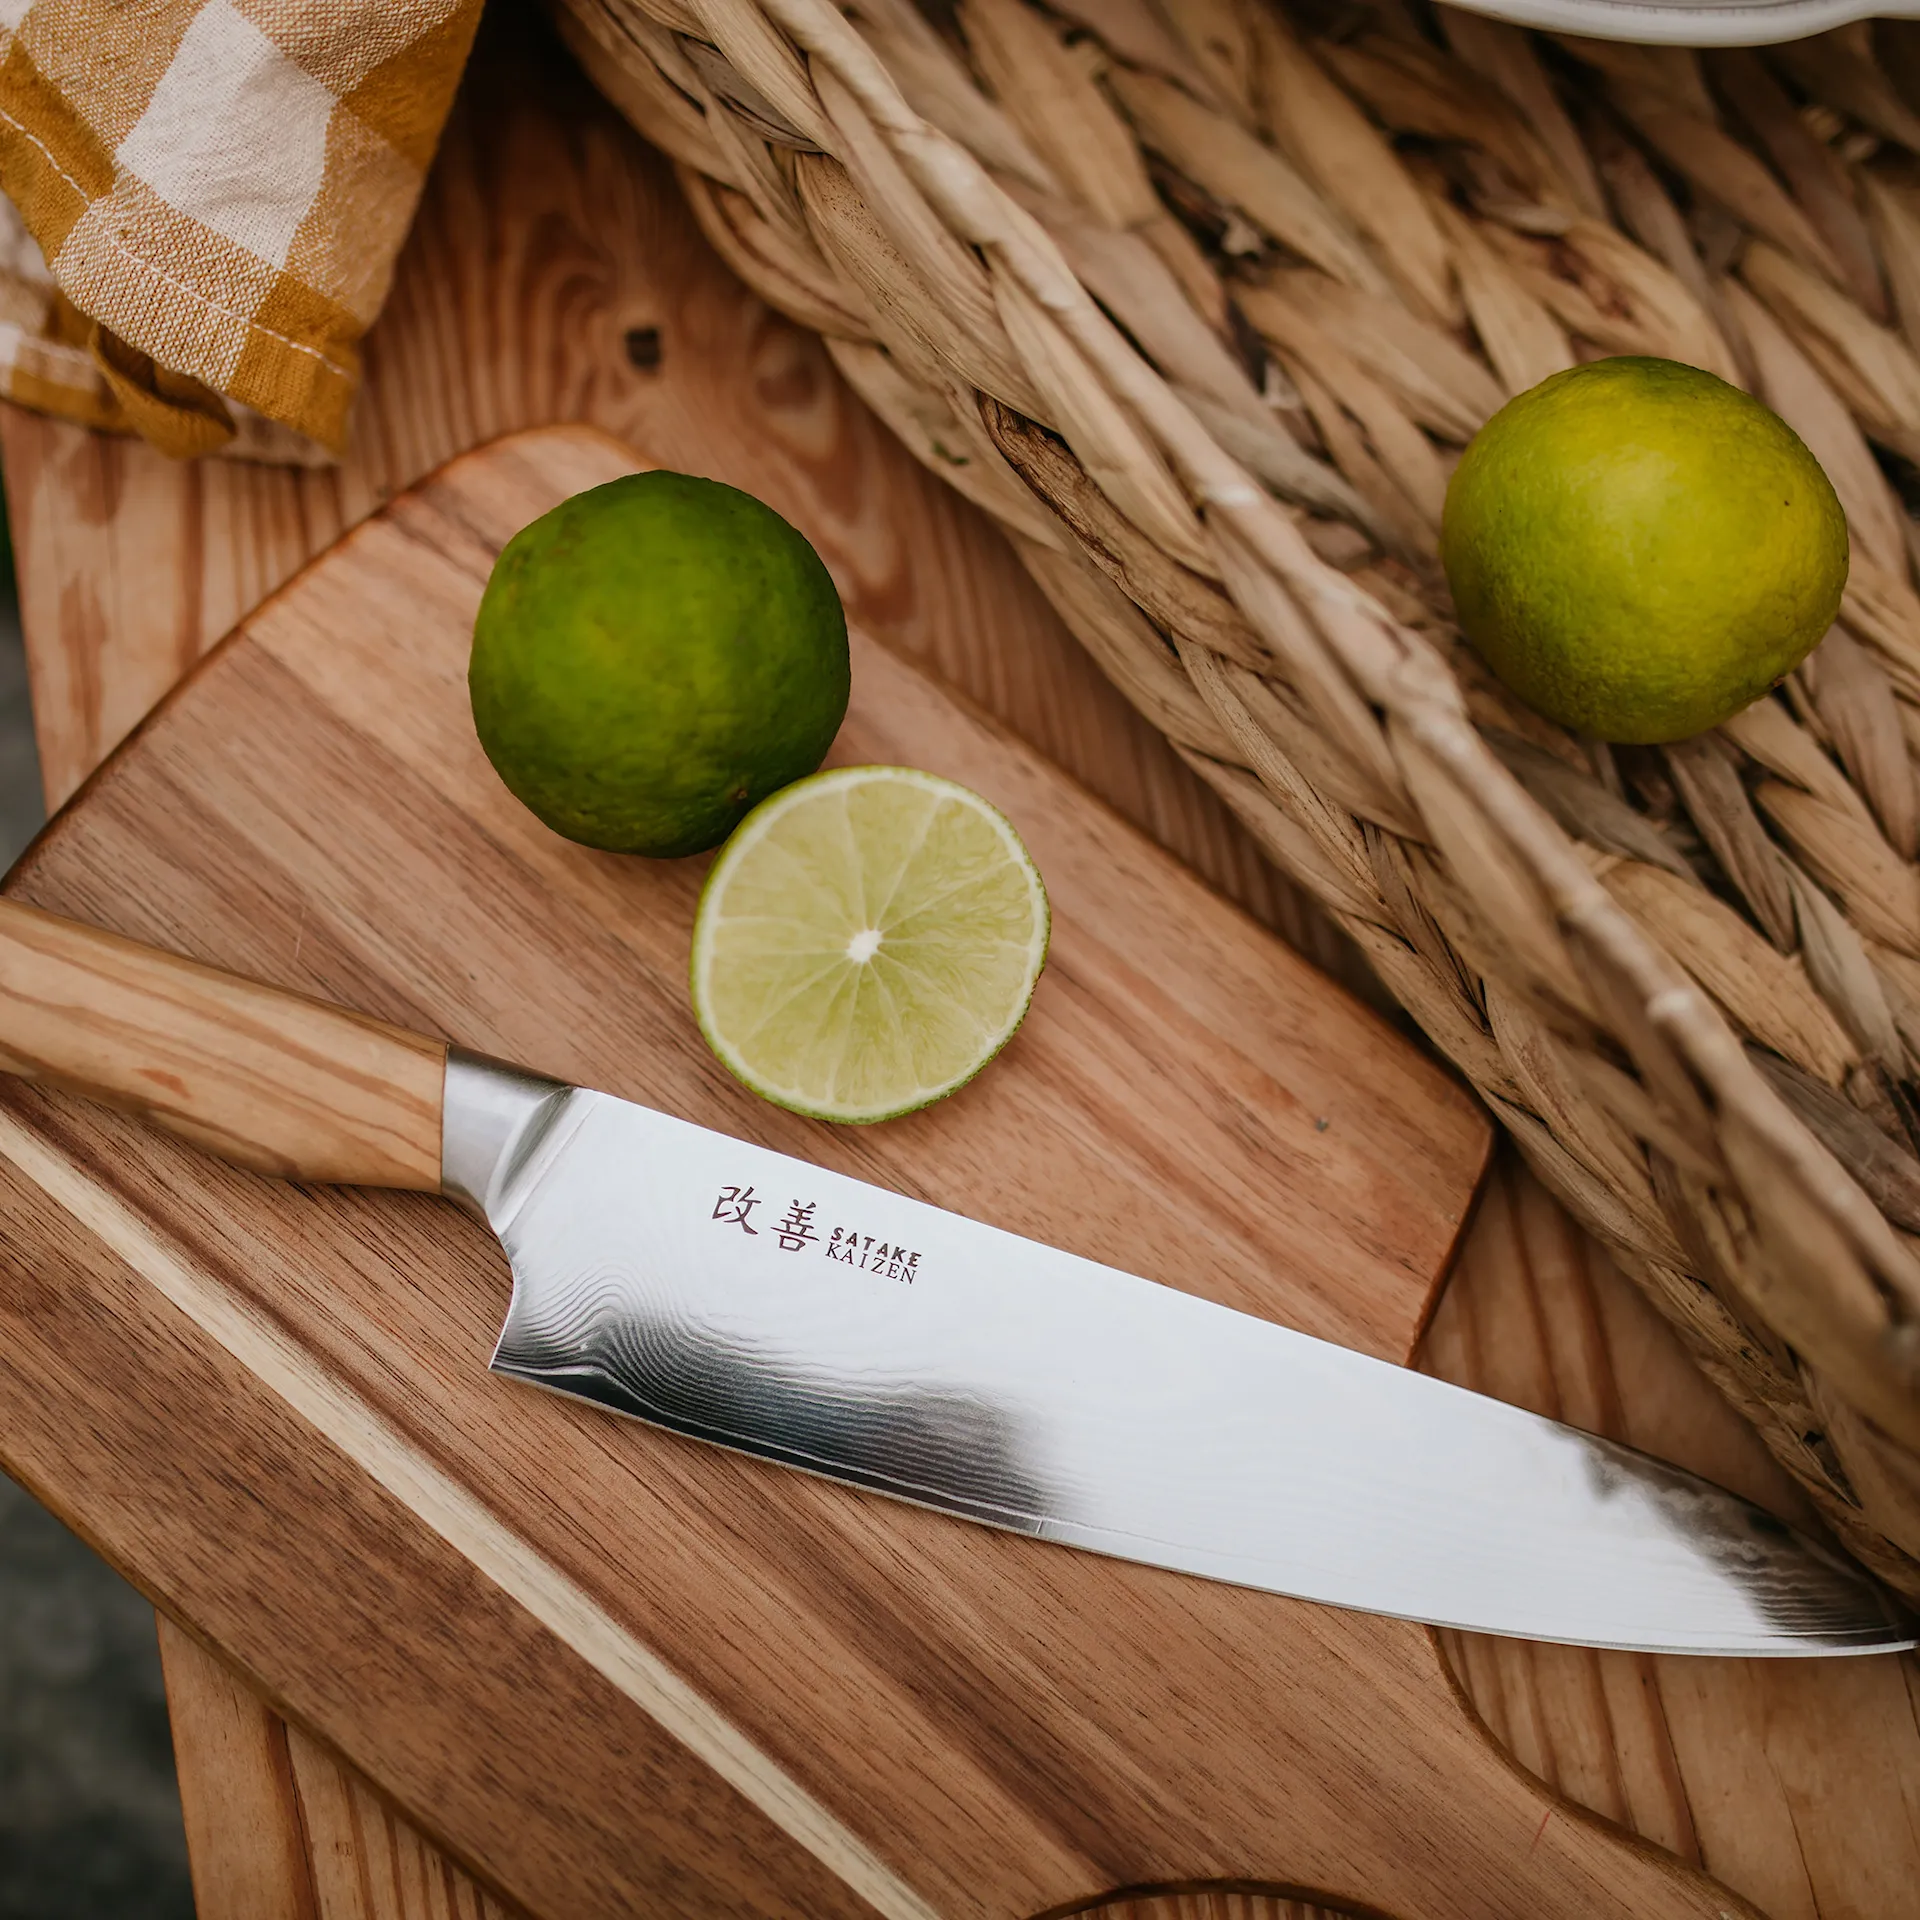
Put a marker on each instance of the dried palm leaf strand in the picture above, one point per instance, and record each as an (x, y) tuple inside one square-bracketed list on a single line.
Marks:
[(671, 14), (1053, 100), (1876, 371), (768, 61), (1441, 386), (1882, 1473), (1235, 167), (1061, 331), (1309, 664), (939, 88), (793, 277), (1708, 780), (1793, 387), (1721, 168), (1335, 837), (1839, 965), (752, 112), (1316, 124), (1447, 1017), (1135, 657), (1811, 1285), (1887, 1171), (1893, 222), (1766, 732), (634, 63), (1404, 898), (1629, 1235), (977, 347), (1170, 595), (1842, 845), (1772, 1396), (1403, 527), (1510, 908), (1590, 1134), (943, 432), (1285, 719), (1403, 450), (1290, 847), (1523, 341), (1215, 36), (1879, 890), (1852, 695), (1187, 261), (1815, 174), (1668, 311), (1841, 69), (1757, 1369), (1880, 608), (1410, 90), (1504, 56), (1128, 273), (1122, 459), (1671, 74), (1649, 214), (1137, 33), (1641, 306), (897, 307), (1585, 808), (1132, 280), (1748, 1367), (1277, 460), (1765, 992), (1627, 1100)]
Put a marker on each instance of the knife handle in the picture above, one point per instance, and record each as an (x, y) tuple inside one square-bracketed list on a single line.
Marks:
[(274, 1081)]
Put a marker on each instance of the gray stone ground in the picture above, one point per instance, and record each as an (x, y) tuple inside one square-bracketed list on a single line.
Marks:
[(89, 1814)]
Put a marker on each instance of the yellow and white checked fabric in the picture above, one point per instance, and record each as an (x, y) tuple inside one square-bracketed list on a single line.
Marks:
[(217, 190)]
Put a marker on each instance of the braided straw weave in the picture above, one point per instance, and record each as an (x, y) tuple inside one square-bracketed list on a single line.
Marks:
[(1200, 299)]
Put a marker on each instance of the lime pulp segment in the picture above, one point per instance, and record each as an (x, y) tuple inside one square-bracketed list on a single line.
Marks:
[(867, 941)]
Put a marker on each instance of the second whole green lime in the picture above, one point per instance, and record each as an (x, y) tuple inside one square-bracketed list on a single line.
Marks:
[(652, 659), (1638, 549)]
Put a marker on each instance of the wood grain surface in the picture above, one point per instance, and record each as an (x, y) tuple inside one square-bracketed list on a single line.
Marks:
[(554, 274), (696, 1681), (274, 1081), (278, 1828)]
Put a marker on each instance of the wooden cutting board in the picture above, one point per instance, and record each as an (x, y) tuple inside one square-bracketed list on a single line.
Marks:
[(614, 1671)]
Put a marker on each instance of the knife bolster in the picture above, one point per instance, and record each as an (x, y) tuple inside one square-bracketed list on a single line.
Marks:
[(496, 1118), (268, 1079)]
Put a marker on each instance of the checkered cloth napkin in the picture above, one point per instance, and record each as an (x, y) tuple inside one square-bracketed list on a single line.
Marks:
[(209, 196)]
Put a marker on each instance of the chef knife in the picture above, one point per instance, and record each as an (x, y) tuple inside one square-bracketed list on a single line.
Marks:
[(749, 1299)]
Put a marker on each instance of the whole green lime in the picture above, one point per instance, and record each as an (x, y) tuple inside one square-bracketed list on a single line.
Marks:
[(652, 659), (1639, 550)]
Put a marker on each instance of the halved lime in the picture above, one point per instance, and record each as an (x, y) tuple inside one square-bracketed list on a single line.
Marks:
[(868, 940)]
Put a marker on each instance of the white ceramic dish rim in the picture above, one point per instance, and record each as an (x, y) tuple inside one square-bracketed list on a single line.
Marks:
[(1718, 23)]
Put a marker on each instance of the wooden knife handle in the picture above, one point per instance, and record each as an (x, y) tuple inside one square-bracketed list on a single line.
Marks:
[(279, 1083)]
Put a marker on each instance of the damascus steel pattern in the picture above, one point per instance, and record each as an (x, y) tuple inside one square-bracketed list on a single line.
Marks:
[(763, 1304)]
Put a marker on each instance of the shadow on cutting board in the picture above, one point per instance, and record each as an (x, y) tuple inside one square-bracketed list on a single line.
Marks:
[(89, 1813)]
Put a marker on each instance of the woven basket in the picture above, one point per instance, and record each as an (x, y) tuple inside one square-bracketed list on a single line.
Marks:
[(1199, 299)]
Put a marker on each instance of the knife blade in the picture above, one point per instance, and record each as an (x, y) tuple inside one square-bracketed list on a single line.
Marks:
[(764, 1304), (758, 1302)]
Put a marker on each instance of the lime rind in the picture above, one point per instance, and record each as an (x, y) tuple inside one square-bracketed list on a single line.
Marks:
[(1639, 550), (866, 942)]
